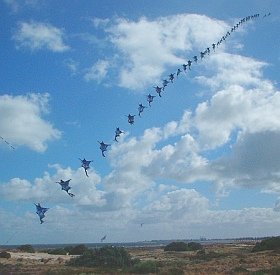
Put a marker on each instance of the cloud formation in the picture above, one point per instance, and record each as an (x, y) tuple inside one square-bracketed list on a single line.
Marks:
[(21, 121), (145, 49), (16, 5), (36, 36), (98, 71)]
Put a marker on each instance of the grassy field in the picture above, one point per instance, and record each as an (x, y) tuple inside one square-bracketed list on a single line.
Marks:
[(212, 259)]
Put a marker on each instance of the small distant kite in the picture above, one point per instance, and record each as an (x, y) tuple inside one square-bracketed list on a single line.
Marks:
[(103, 147), (130, 119), (103, 238), (164, 83), (171, 77), (141, 109), (178, 72), (118, 132), (159, 90), (41, 211), (150, 98), (65, 186), (85, 164)]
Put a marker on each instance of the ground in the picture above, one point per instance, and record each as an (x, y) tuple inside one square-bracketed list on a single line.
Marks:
[(235, 258)]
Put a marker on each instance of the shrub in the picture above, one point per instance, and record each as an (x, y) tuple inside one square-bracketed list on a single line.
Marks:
[(176, 246), (26, 248), (76, 250), (144, 267), (272, 243), (239, 269), (181, 246), (57, 251), (193, 246), (106, 256), (5, 254), (175, 271)]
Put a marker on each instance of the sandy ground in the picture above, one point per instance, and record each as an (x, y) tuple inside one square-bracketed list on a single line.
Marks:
[(38, 256), (216, 259)]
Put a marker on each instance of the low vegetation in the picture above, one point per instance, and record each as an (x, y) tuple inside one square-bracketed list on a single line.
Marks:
[(5, 255), (144, 267), (76, 250), (272, 243), (182, 246), (57, 251), (107, 256), (26, 248)]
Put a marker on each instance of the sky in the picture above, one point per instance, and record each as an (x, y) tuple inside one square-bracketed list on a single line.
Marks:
[(202, 161)]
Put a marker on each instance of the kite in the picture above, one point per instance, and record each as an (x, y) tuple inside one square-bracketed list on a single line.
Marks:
[(141, 109), (65, 186), (103, 238), (41, 211), (103, 147), (158, 90), (130, 119), (178, 72), (150, 98), (171, 77), (85, 164), (164, 83), (118, 132)]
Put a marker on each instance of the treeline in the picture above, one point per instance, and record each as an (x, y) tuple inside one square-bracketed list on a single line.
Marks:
[(272, 243)]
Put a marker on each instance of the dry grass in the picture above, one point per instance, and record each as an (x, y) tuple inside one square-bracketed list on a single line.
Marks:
[(215, 259)]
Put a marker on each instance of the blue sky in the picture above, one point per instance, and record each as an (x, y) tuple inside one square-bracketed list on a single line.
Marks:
[(203, 160)]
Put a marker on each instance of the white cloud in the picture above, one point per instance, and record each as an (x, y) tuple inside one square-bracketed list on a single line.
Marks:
[(72, 65), (36, 36), (225, 70), (100, 22), (147, 48), (46, 189), (16, 5), (21, 121), (98, 71)]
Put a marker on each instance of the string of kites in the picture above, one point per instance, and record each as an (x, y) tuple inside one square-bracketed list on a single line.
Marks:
[(150, 98)]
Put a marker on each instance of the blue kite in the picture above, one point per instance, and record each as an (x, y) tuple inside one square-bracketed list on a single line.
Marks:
[(118, 132), (141, 109), (65, 186), (164, 83), (103, 147), (130, 119), (103, 238), (41, 211), (150, 98), (159, 90), (85, 164)]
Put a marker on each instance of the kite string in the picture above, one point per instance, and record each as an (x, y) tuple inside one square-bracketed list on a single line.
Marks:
[(8, 143)]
